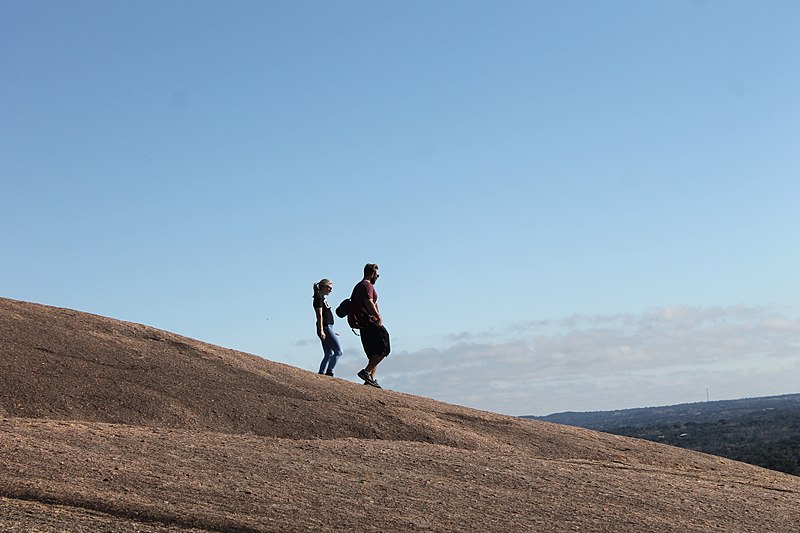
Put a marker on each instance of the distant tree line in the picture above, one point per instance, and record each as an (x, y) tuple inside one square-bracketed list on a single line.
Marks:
[(759, 431), (769, 439)]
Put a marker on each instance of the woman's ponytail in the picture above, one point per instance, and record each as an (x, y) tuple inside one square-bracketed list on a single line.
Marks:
[(324, 282)]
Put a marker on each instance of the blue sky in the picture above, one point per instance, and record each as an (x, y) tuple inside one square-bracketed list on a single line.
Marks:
[(575, 205)]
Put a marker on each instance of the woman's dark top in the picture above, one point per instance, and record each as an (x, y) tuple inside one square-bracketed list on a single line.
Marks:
[(321, 303)]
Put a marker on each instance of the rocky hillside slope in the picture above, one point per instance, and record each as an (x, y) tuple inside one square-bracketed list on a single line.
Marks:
[(113, 426)]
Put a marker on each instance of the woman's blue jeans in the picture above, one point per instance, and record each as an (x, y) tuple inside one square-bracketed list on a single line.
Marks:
[(331, 350)]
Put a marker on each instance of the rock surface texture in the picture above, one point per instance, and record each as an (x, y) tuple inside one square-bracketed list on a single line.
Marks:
[(113, 426)]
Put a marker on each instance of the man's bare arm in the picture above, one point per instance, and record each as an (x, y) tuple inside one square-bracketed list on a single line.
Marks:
[(373, 310)]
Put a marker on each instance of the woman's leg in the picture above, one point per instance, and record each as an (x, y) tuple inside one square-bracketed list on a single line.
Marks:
[(332, 347), (326, 355)]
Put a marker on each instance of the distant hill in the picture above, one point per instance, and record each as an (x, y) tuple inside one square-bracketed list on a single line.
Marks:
[(113, 426), (760, 431)]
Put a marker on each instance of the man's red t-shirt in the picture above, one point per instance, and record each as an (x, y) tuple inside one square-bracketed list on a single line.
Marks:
[(361, 293)]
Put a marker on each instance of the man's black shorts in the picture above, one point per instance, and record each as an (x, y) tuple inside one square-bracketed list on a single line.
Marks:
[(375, 340)]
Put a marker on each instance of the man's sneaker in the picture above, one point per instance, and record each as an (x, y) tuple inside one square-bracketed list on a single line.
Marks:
[(368, 379), (329, 373)]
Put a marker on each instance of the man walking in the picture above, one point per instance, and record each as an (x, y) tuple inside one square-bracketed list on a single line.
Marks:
[(374, 337)]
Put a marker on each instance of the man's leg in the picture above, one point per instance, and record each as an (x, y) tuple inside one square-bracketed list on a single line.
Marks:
[(375, 348), (372, 367)]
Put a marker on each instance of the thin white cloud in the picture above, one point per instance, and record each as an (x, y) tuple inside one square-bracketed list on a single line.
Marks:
[(581, 362)]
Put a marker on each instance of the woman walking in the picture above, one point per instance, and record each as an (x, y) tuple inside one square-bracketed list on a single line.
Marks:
[(330, 344)]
